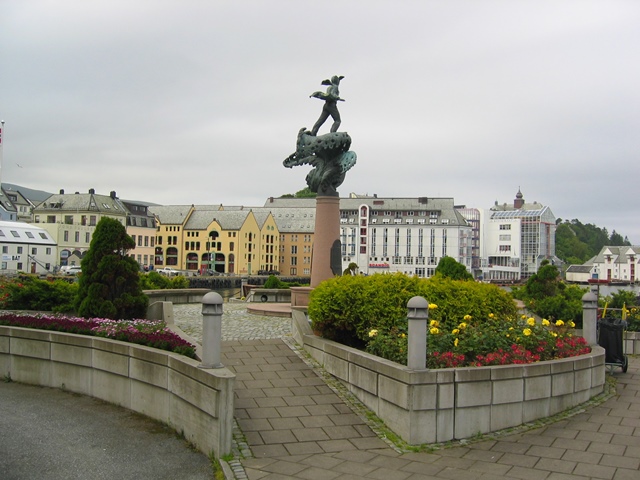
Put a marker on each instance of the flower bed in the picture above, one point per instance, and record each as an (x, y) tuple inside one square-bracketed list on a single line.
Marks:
[(481, 342), (151, 333)]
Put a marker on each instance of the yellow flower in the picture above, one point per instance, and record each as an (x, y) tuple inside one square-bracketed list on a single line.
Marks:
[(432, 306), (467, 317), (434, 323), (572, 324), (511, 328), (527, 332), (455, 342), (545, 322), (523, 316), (508, 335), (462, 326), (491, 315), (373, 333), (434, 331), (559, 323), (403, 335), (455, 331), (554, 334), (531, 321)]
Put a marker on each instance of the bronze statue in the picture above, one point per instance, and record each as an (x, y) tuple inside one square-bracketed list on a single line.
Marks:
[(329, 154), (331, 99)]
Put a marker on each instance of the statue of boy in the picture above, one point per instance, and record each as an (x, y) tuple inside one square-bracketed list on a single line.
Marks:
[(331, 98)]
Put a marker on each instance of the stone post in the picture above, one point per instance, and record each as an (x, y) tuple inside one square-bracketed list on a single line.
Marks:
[(417, 316), (211, 330), (590, 316), (326, 259)]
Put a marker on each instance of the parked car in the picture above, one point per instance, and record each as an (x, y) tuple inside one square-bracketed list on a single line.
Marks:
[(73, 270), (168, 271)]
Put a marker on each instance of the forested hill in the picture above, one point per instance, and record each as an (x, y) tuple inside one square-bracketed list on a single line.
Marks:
[(576, 243)]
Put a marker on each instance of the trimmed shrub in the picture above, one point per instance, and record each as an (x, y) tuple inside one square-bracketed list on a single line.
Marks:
[(347, 308), (28, 292)]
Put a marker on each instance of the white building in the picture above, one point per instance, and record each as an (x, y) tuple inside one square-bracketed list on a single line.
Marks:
[(616, 264), (408, 235), (26, 248), (516, 239)]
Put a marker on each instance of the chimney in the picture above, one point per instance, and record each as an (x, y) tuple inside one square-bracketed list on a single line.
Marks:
[(62, 191), (92, 191), (270, 199), (112, 194)]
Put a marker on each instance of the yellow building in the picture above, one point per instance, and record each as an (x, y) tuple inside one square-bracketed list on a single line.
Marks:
[(207, 237), (296, 227)]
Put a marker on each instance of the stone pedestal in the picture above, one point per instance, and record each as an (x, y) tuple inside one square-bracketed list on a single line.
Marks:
[(326, 242)]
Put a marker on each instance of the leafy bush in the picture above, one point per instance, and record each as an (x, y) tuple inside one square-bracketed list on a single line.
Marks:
[(143, 332), (548, 296), (110, 280), (274, 282), (28, 292), (347, 308), (155, 281)]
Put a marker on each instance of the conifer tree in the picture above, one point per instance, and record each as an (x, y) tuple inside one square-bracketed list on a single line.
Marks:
[(109, 285)]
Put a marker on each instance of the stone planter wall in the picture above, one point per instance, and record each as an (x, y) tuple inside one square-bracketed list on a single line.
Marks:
[(161, 385), (177, 296), (632, 343), (429, 406), (269, 295)]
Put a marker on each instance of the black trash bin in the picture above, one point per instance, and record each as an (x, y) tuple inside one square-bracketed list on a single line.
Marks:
[(611, 338)]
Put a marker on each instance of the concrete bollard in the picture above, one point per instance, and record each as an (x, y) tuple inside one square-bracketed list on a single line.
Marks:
[(417, 316), (590, 316), (211, 330)]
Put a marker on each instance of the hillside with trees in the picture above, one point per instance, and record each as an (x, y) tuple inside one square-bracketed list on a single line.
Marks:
[(576, 242)]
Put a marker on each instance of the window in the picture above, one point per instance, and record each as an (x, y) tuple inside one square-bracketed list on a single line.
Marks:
[(43, 235), (51, 219), (505, 226), (34, 251), (29, 234), (66, 235), (15, 234), (77, 237), (19, 250), (48, 251), (505, 248), (68, 219), (294, 249), (87, 237), (5, 249)]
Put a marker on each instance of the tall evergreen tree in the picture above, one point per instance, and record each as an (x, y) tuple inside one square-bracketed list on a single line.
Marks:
[(109, 286)]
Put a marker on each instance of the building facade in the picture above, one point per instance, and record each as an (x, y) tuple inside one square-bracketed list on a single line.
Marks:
[(26, 248), (516, 239), (205, 237), (71, 220), (616, 265), (408, 235)]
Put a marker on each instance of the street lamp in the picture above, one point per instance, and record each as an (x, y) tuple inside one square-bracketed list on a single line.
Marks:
[(212, 251)]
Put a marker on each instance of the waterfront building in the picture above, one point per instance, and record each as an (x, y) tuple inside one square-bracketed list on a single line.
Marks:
[(408, 235), (212, 237), (71, 220), (26, 248), (141, 227), (516, 239), (616, 264)]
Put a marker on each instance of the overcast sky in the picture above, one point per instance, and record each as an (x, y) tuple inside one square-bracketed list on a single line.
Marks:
[(185, 101)]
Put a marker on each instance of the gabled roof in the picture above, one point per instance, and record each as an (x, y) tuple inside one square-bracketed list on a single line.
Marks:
[(621, 254), (82, 202), (171, 214), (20, 232)]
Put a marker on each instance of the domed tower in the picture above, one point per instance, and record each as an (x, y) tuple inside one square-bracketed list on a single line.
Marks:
[(518, 203)]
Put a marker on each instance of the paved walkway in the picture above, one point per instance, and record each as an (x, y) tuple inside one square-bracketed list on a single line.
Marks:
[(297, 423)]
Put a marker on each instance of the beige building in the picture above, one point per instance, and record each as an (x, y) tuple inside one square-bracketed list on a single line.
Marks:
[(296, 227), (71, 220), (142, 228)]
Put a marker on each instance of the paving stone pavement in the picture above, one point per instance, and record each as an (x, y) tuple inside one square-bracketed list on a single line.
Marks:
[(295, 422)]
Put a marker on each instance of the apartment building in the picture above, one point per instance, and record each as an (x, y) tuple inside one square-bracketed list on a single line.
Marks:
[(26, 248)]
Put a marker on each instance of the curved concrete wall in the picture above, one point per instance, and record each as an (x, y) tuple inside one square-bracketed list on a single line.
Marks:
[(162, 385), (429, 406)]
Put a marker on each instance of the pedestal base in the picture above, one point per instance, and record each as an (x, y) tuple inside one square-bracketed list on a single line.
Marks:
[(326, 260)]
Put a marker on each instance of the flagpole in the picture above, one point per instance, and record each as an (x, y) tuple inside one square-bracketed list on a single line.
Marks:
[(1, 149)]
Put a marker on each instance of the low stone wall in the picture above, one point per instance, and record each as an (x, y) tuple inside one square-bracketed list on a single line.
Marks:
[(430, 406), (269, 295), (632, 343), (162, 385), (177, 296)]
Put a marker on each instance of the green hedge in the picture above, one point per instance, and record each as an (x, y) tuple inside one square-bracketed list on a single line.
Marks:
[(347, 308)]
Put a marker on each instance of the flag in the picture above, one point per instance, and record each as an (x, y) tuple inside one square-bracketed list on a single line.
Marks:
[(0, 135)]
